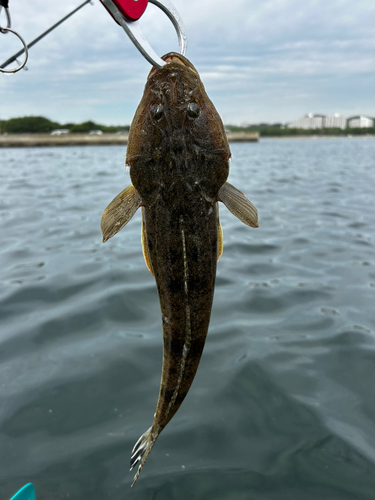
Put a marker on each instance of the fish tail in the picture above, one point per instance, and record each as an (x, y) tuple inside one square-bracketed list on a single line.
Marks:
[(141, 451)]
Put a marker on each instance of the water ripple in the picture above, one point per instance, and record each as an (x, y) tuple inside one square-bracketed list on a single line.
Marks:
[(282, 405)]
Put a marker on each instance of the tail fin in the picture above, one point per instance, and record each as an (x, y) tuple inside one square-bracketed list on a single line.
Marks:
[(141, 451)]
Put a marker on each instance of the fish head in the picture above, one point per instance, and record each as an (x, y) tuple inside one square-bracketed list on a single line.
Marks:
[(177, 130)]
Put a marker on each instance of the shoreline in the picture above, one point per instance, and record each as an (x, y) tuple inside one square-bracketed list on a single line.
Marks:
[(355, 136), (46, 140), (66, 140)]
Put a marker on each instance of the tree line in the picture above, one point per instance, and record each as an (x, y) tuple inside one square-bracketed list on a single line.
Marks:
[(279, 130), (42, 125)]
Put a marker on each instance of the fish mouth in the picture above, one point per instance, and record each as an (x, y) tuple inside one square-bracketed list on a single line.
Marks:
[(174, 57)]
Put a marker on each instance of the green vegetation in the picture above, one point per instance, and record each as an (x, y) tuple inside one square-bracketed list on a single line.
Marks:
[(28, 124), (41, 125), (85, 127), (279, 130)]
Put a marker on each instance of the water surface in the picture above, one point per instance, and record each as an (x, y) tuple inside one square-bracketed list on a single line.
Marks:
[(283, 403)]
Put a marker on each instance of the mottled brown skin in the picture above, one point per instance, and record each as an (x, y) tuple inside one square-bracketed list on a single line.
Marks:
[(178, 156), (178, 164)]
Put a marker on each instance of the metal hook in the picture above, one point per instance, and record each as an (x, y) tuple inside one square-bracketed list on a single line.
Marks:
[(14, 57), (9, 20), (5, 30), (135, 34)]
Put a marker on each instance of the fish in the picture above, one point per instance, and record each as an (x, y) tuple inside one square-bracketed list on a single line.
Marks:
[(178, 155)]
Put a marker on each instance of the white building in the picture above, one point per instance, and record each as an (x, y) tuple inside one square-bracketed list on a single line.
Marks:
[(311, 122), (361, 122), (307, 122), (335, 121)]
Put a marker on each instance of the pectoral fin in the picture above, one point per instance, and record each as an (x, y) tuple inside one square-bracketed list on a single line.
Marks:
[(146, 254), (119, 212), (239, 205)]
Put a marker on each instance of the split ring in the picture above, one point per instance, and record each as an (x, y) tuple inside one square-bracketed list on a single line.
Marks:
[(4, 31)]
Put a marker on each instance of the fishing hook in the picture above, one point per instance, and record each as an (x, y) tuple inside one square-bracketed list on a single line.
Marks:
[(8, 29), (126, 14)]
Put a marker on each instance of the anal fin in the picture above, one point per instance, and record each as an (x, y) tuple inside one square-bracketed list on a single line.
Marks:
[(146, 253), (219, 240)]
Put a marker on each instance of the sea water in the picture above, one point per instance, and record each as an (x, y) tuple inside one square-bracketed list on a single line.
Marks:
[(283, 403)]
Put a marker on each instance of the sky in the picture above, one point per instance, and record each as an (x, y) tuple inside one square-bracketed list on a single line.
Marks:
[(260, 60)]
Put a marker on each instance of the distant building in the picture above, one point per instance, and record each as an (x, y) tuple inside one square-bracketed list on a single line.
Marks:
[(308, 122), (311, 122), (360, 122), (335, 121)]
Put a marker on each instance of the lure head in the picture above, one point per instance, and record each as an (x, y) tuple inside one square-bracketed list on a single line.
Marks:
[(176, 124)]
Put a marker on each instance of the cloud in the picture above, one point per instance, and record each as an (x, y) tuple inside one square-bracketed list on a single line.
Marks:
[(261, 60)]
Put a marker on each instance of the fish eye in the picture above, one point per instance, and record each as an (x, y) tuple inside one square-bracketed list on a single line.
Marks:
[(193, 109), (156, 111)]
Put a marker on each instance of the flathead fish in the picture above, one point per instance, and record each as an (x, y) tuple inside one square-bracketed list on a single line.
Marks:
[(178, 155)]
